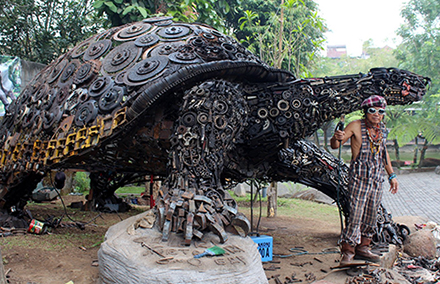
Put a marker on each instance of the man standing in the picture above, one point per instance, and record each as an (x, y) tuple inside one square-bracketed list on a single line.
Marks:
[(369, 158)]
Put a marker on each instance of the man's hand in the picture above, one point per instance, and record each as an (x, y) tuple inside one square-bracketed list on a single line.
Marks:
[(339, 135), (394, 186)]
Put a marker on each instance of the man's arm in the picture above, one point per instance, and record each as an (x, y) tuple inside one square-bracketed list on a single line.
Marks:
[(394, 185), (342, 136)]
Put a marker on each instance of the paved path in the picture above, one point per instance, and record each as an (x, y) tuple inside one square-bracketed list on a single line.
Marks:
[(418, 195)]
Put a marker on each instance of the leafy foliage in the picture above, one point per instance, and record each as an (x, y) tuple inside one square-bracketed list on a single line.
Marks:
[(210, 12), (42, 30), (420, 48), (286, 36), (420, 52), (82, 182)]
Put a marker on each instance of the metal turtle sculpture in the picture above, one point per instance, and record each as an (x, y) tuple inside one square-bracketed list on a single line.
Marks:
[(186, 103)]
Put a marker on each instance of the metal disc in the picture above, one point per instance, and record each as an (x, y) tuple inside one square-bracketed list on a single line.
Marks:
[(173, 32), (121, 57), (86, 112), (87, 72), (40, 93), (62, 95), (79, 50), (97, 49), (229, 47), (132, 31), (52, 117), (56, 71), (146, 40), (185, 55), (156, 20), (100, 85), (48, 98), (166, 48), (145, 69), (119, 78), (111, 99), (68, 72), (29, 117)]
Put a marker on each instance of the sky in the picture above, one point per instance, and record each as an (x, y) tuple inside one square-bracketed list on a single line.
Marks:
[(352, 22)]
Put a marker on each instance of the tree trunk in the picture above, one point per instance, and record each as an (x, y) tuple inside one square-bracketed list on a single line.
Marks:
[(423, 152), (397, 151), (68, 186), (416, 152), (272, 193)]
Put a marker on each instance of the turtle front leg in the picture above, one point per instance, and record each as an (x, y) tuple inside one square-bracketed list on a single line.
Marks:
[(305, 163), (194, 201)]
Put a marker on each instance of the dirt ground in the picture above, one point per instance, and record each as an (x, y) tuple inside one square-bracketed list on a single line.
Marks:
[(70, 254)]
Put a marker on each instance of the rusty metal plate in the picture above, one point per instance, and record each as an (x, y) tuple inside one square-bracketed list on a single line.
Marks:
[(165, 48), (112, 98), (100, 85), (87, 72), (146, 40), (86, 113), (144, 70), (97, 49), (132, 31), (185, 55), (68, 72), (121, 57), (56, 71), (79, 50), (173, 32)]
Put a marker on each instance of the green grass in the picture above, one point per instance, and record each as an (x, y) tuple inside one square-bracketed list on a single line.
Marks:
[(126, 190), (53, 242), (291, 207), (306, 209)]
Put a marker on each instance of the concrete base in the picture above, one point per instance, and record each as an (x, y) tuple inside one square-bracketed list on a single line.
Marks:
[(131, 255)]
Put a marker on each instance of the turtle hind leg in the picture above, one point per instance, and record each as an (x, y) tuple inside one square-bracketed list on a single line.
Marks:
[(18, 190), (194, 200)]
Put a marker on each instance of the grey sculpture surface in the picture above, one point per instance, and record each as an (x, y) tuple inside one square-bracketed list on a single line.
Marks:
[(189, 104)]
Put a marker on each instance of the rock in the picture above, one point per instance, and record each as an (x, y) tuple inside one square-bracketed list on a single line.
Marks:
[(313, 195), (241, 189), (410, 221), (289, 189), (124, 259), (388, 259), (421, 243)]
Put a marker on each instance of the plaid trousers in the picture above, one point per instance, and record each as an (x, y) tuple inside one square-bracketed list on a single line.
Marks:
[(365, 192)]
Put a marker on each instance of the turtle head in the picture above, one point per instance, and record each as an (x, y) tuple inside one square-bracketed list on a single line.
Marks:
[(399, 87)]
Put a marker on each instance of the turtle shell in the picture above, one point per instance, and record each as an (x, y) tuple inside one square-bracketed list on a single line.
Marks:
[(113, 79)]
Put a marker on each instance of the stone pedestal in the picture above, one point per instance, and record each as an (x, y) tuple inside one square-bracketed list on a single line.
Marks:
[(131, 255)]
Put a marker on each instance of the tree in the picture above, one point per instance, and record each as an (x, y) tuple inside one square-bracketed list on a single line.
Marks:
[(286, 35), (402, 124), (211, 12), (40, 31), (420, 47), (420, 53)]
